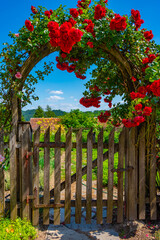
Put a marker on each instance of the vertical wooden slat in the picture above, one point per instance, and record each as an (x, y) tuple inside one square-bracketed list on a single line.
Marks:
[(126, 173), (121, 154), (142, 186), (13, 159), (110, 177), (89, 177), (68, 176), (57, 177), (30, 171), (100, 177), (152, 185), (35, 212), (25, 170), (46, 176), (132, 204), (2, 189), (78, 176)]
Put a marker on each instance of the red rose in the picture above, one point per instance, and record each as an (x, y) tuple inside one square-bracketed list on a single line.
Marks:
[(34, 10), (63, 55), (147, 111), (138, 107), (100, 12), (151, 57), (76, 34), (80, 11), (148, 35), (74, 12), (51, 11), (155, 88), (145, 60), (29, 26), (72, 21), (47, 13), (90, 44), (83, 4), (118, 23), (134, 79), (53, 26), (147, 50)]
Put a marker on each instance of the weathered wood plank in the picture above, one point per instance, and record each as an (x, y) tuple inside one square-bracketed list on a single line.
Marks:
[(2, 189), (25, 174), (35, 212), (110, 177), (68, 176), (57, 177), (152, 181), (13, 159), (46, 177), (121, 155), (89, 177), (132, 204), (100, 178), (142, 187), (78, 176), (126, 173)]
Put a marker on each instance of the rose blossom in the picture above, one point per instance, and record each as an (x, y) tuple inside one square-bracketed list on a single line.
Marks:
[(18, 75), (16, 34)]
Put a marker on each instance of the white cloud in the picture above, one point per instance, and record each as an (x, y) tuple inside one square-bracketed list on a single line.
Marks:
[(75, 100), (56, 98), (56, 92), (71, 97)]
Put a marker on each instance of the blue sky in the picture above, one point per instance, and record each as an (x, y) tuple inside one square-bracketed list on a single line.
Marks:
[(62, 90)]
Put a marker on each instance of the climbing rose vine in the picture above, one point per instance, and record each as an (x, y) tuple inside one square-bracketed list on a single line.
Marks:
[(125, 57)]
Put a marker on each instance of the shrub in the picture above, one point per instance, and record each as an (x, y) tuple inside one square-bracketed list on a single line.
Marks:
[(16, 230)]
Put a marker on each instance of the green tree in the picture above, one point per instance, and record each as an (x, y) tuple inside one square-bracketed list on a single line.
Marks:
[(78, 119), (49, 113), (39, 113)]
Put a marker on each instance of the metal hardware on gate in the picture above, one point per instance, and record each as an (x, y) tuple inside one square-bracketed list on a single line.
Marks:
[(122, 169)]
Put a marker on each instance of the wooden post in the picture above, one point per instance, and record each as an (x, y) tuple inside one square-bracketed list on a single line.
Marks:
[(13, 159), (132, 204), (126, 173), (110, 177), (100, 178), (24, 167), (46, 177), (89, 178), (57, 178), (142, 186), (152, 181), (35, 211), (121, 154), (78, 176), (2, 189), (68, 176)]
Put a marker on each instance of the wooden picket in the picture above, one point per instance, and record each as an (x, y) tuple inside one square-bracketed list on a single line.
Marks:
[(89, 177), (121, 154), (100, 178), (2, 189), (110, 177), (46, 177), (78, 205), (35, 211), (142, 186), (68, 176), (57, 178)]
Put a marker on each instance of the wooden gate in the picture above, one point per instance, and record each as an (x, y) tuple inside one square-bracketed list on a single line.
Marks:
[(131, 199)]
